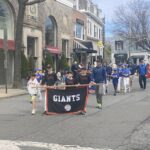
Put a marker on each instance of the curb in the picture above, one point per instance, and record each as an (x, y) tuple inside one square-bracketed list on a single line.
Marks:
[(12, 95)]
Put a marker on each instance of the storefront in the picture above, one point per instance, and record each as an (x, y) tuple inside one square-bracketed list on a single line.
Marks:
[(120, 58), (6, 42)]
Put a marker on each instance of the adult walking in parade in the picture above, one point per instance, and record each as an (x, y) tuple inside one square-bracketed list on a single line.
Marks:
[(142, 71), (99, 77)]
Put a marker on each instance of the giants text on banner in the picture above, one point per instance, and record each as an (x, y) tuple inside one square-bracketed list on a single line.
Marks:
[(70, 100)]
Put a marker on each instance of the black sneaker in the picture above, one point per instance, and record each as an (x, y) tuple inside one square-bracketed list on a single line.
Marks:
[(106, 91), (44, 113), (82, 113)]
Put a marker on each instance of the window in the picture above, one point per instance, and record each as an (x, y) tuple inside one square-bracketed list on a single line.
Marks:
[(119, 45), (6, 19), (99, 33), (51, 32), (65, 47), (79, 30), (95, 31), (89, 28)]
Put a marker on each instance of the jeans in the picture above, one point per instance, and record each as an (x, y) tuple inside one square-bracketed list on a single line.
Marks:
[(142, 81), (99, 93)]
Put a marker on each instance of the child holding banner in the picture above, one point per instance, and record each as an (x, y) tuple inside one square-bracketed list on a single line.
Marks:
[(33, 91), (83, 78)]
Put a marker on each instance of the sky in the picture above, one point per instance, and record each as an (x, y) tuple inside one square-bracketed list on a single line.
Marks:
[(108, 7)]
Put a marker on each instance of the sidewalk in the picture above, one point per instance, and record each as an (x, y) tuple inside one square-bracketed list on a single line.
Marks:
[(11, 92)]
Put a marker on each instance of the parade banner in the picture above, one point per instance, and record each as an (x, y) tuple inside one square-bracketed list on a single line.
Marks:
[(69, 100)]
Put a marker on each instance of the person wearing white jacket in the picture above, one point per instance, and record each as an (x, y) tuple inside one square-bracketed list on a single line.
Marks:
[(32, 87)]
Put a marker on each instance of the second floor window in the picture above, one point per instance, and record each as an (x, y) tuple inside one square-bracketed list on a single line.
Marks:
[(79, 31), (95, 31), (119, 45)]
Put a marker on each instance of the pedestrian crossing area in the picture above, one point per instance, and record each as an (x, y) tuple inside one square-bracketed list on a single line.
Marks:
[(28, 145)]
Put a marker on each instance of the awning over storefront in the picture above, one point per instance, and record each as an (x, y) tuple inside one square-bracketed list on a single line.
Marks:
[(53, 50), (83, 47), (84, 50), (137, 56), (121, 55), (11, 44)]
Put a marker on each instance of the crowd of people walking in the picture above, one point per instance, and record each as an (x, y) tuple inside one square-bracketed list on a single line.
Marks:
[(97, 77)]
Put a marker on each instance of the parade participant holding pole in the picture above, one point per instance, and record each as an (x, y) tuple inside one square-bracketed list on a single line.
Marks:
[(99, 77), (32, 87)]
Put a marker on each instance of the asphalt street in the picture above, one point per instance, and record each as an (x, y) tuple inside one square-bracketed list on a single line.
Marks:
[(122, 124)]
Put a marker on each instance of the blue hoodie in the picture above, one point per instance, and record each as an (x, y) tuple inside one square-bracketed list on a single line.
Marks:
[(142, 69), (99, 75)]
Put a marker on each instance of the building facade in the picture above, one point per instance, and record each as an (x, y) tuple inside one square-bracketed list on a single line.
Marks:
[(55, 27), (7, 29), (47, 27), (125, 50), (52, 33), (95, 25)]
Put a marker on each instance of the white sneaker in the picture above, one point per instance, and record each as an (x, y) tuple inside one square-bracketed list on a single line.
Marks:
[(99, 106), (33, 111)]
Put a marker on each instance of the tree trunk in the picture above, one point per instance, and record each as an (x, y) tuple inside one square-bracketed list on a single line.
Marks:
[(18, 45)]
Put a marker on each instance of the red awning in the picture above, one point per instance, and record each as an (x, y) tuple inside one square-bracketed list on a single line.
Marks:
[(53, 50), (11, 44)]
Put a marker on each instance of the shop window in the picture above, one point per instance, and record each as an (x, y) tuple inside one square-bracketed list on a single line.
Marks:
[(7, 20)]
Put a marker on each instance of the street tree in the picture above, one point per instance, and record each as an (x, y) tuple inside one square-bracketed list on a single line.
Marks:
[(132, 22), (18, 38)]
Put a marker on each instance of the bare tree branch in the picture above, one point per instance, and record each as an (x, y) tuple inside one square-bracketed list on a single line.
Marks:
[(35, 2), (132, 22)]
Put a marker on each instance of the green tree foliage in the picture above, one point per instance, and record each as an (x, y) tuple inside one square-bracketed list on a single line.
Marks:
[(107, 52), (63, 63), (25, 69), (49, 60)]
